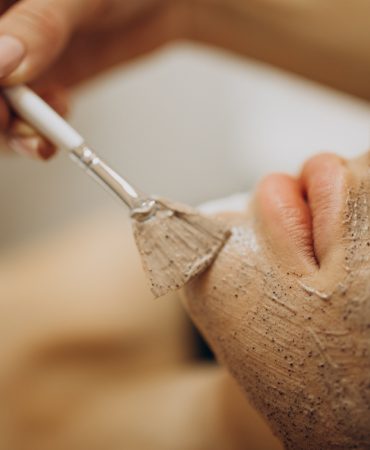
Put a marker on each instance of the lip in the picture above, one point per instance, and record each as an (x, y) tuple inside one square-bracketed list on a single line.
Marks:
[(299, 217)]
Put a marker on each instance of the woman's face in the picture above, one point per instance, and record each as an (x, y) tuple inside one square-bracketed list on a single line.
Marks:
[(286, 306)]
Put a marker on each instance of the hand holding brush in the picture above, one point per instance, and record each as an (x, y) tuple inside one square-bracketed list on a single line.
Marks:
[(175, 242)]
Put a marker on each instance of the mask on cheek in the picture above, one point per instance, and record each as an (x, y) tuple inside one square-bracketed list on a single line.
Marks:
[(298, 343)]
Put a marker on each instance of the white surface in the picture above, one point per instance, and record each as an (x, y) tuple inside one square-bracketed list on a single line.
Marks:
[(187, 123), (237, 202)]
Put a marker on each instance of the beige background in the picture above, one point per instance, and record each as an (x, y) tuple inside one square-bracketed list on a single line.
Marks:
[(188, 123)]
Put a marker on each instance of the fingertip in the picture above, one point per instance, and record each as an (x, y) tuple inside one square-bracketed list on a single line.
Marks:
[(19, 75), (24, 146), (21, 129), (34, 147), (4, 114), (46, 151), (12, 53), (25, 140), (32, 35)]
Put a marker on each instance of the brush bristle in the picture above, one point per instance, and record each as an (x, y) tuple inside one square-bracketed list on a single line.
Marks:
[(176, 244)]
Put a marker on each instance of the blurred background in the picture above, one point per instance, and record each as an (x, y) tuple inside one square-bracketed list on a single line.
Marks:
[(214, 122), (86, 351)]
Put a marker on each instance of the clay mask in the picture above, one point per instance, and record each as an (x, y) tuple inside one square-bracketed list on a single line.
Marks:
[(286, 306)]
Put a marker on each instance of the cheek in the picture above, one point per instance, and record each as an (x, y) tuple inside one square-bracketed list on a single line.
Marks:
[(220, 300), (299, 346)]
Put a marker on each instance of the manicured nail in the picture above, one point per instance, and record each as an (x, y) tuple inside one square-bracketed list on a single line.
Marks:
[(12, 51), (29, 147)]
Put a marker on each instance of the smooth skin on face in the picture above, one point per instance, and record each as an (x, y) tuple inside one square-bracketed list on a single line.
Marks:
[(286, 306)]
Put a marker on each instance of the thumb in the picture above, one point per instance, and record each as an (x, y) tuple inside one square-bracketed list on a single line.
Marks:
[(34, 32)]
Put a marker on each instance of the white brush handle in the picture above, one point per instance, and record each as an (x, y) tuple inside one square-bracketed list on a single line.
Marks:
[(42, 117), (46, 121)]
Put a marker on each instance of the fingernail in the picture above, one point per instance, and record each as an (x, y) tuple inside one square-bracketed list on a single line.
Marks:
[(25, 146), (46, 151), (12, 51)]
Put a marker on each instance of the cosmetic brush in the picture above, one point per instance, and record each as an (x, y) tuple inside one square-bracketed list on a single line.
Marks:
[(175, 242)]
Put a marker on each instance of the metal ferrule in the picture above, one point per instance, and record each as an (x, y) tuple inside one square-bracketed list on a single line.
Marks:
[(140, 204)]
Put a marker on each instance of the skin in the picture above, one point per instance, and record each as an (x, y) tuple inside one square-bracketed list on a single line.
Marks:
[(305, 286), (286, 306), (97, 363), (66, 42)]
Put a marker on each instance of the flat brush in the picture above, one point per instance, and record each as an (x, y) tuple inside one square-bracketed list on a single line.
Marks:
[(175, 242)]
